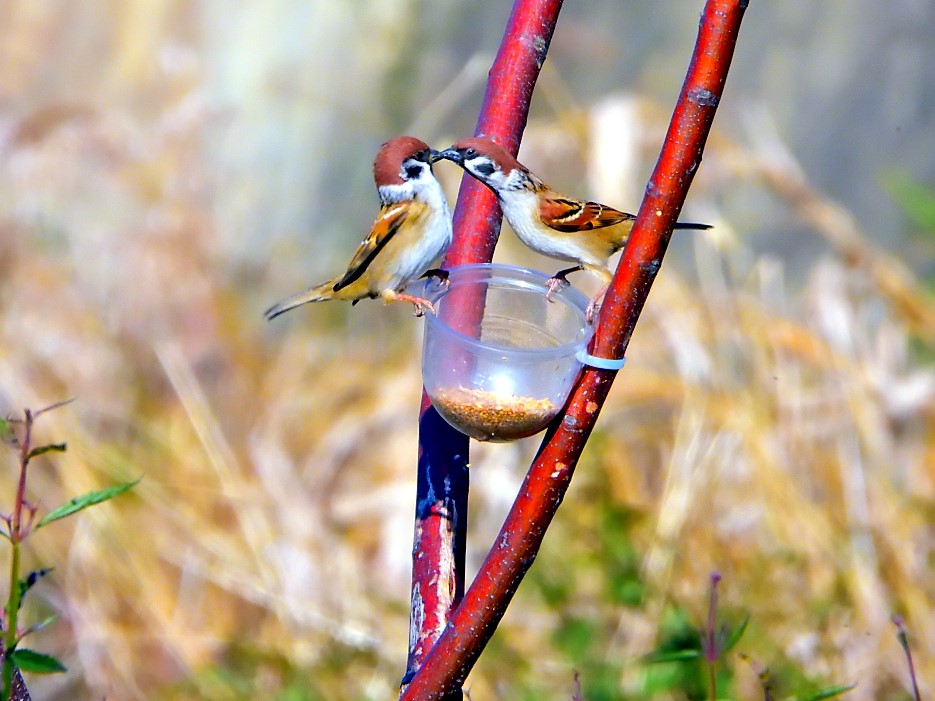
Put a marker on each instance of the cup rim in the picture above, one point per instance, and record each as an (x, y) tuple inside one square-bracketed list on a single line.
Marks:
[(520, 278)]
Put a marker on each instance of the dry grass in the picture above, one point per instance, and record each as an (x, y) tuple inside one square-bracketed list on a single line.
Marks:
[(782, 434)]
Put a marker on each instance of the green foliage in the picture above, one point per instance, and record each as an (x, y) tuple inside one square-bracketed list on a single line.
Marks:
[(829, 693), (20, 525), (36, 662), (620, 557), (248, 670), (680, 649), (673, 656), (732, 638), (915, 199), (83, 502)]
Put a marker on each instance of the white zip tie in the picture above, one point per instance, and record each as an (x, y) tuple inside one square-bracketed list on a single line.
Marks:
[(600, 363)]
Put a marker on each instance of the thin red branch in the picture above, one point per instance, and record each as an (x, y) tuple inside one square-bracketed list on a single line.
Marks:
[(502, 119), (16, 525), (442, 489), (544, 487)]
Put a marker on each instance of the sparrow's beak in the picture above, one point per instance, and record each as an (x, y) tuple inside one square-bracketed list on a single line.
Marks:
[(434, 156), (452, 154)]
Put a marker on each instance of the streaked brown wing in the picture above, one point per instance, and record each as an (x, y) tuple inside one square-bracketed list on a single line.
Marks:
[(568, 215), (388, 222)]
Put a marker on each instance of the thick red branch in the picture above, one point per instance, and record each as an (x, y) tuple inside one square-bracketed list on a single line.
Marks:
[(442, 489), (502, 119), (472, 624)]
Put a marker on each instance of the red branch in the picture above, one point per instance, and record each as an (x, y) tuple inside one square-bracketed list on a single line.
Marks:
[(544, 487), (442, 488)]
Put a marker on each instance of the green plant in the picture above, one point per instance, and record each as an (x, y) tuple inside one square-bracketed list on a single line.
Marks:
[(20, 524), (685, 648)]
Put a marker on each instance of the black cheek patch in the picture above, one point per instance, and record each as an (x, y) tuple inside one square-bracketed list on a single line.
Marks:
[(413, 172), (484, 168)]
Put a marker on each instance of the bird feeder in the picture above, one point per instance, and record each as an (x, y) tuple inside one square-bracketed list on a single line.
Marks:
[(499, 358)]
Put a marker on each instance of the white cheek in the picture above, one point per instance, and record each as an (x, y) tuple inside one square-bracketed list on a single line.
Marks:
[(498, 181)]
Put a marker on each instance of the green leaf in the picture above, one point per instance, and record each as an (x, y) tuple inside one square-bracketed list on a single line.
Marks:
[(674, 656), (50, 448), (735, 637), (829, 693), (84, 501), (36, 662), (6, 431)]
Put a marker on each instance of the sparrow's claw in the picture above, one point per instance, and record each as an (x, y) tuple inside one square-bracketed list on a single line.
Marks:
[(440, 275), (556, 284), (594, 306), (559, 281), (421, 304)]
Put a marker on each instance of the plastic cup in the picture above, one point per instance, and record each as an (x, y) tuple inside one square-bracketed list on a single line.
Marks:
[(499, 358)]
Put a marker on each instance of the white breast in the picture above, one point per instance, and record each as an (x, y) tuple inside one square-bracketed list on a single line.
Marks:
[(435, 239), (521, 209)]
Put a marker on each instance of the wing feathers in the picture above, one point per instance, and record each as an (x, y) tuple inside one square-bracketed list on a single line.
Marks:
[(569, 215), (388, 222)]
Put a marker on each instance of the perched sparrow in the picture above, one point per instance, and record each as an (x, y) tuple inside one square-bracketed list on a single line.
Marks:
[(555, 225), (411, 231)]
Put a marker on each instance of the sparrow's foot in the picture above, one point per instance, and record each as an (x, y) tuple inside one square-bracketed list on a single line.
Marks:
[(559, 281), (440, 275), (556, 284), (594, 306), (421, 304)]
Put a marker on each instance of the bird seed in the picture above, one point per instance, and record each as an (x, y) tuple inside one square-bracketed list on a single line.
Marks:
[(492, 416)]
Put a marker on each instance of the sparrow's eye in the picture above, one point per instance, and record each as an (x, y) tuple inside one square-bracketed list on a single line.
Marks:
[(413, 172), (484, 168), (469, 153)]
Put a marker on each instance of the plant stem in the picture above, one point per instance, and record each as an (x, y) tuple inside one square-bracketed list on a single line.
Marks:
[(712, 682), (903, 638), (16, 537), (711, 651), (24, 449), (12, 615)]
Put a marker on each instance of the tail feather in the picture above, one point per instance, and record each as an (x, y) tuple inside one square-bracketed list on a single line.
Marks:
[(319, 293), (691, 225)]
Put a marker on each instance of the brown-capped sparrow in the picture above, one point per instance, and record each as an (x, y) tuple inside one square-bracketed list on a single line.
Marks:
[(553, 224), (412, 230)]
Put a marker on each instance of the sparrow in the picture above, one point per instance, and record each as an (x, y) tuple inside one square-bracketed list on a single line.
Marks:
[(553, 224), (411, 231)]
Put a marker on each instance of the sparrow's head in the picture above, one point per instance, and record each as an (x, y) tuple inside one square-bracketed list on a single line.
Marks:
[(402, 169), (490, 163)]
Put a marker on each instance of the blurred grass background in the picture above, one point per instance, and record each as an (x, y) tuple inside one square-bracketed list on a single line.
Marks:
[(169, 169)]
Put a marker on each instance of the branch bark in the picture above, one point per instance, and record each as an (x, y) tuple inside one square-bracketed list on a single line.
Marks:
[(472, 624), (442, 486)]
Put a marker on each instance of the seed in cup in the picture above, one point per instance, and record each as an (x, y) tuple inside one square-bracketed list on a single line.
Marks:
[(493, 416)]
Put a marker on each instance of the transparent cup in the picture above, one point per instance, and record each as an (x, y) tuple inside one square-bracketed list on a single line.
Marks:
[(498, 358)]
